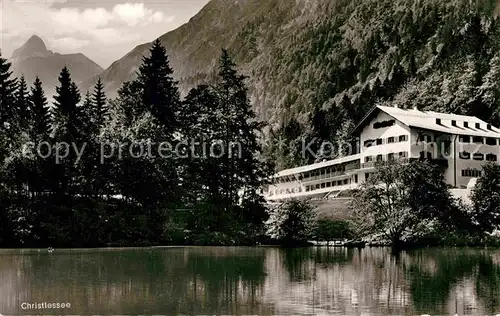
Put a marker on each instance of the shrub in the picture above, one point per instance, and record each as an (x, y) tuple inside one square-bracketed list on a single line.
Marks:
[(292, 222)]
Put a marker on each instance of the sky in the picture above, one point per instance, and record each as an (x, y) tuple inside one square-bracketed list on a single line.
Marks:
[(103, 30)]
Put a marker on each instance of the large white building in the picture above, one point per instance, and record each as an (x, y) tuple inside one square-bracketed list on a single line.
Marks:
[(459, 144)]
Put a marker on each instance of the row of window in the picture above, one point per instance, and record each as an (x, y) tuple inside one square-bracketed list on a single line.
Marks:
[(477, 140), (390, 156), (318, 186), (330, 184), (287, 191), (478, 156), (428, 138), (382, 141), (472, 173)]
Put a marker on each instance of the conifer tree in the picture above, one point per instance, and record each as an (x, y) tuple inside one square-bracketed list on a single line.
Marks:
[(39, 132), (7, 134), (242, 170), (160, 94), (100, 110), (65, 107), (22, 105), (68, 129), (40, 116), (7, 93)]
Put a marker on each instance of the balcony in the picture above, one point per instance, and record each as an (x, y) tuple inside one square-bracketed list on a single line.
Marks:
[(324, 176), (353, 166), (369, 165)]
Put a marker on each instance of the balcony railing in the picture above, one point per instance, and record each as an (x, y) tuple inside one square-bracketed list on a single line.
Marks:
[(353, 166), (324, 176), (367, 165)]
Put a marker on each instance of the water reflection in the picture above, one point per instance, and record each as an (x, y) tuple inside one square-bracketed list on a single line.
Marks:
[(263, 281)]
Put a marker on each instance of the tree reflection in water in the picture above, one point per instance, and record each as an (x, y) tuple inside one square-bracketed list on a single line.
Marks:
[(254, 280)]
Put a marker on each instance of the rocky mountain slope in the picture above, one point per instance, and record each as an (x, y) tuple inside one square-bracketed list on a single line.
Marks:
[(304, 58), (34, 59)]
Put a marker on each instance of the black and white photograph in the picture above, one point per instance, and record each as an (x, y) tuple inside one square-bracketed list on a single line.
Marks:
[(250, 157)]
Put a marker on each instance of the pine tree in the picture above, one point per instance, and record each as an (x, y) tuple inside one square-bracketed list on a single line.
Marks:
[(39, 132), (7, 136), (22, 105), (7, 93), (68, 128), (160, 94), (242, 173), (40, 116), (100, 111), (65, 107)]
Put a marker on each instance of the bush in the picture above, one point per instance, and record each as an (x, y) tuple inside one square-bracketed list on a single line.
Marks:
[(291, 223)]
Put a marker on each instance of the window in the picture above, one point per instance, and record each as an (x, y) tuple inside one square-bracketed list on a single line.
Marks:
[(368, 159), (391, 140), (380, 141), (478, 156), (384, 124), (471, 173), (425, 138), (339, 182), (346, 181), (464, 139), (491, 141), (466, 124), (491, 157), (403, 138), (367, 176), (477, 140), (390, 156), (453, 123), (403, 154), (355, 178), (317, 186), (323, 185), (464, 155), (380, 158), (328, 184), (438, 121)]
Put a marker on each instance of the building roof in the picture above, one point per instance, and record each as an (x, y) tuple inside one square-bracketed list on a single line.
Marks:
[(318, 165), (427, 120)]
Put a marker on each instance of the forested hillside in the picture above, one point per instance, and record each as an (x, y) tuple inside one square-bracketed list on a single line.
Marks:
[(308, 59)]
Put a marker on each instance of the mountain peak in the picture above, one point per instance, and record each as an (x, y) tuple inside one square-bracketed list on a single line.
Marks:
[(34, 47)]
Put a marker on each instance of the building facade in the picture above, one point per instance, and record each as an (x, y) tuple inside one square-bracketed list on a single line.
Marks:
[(461, 145)]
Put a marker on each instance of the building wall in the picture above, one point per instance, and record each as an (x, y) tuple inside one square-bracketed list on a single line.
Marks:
[(371, 133), (471, 163)]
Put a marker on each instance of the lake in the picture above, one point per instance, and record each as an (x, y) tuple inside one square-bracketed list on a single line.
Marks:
[(251, 281)]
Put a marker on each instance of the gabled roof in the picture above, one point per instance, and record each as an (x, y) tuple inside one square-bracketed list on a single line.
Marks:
[(427, 120)]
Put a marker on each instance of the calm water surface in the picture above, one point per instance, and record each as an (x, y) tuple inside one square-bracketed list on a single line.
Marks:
[(252, 281)]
